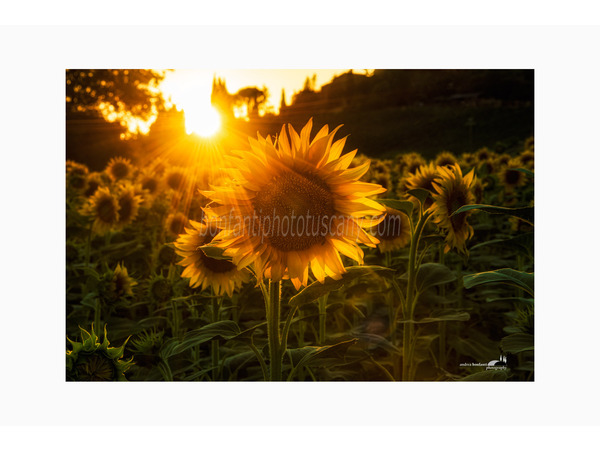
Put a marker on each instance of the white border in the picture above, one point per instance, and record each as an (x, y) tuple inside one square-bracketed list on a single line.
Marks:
[(32, 329)]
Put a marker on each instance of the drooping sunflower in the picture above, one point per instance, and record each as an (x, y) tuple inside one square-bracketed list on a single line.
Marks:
[(445, 159), (103, 207), (393, 231), (129, 204), (511, 178), (452, 192), (119, 168), (122, 282), (422, 179), (202, 270), (296, 205)]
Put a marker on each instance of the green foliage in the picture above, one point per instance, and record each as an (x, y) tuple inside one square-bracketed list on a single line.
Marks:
[(317, 289), (511, 277), (526, 214)]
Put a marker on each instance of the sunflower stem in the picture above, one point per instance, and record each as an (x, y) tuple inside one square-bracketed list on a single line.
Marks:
[(275, 356), (286, 329), (410, 298), (322, 319), (97, 317), (215, 344), (88, 245), (442, 325)]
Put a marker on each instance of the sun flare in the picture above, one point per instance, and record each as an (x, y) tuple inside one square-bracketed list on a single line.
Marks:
[(203, 120)]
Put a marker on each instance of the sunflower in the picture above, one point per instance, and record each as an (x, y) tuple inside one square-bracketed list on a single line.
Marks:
[(483, 154), (119, 168), (501, 161), (224, 276), (103, 207), (528, 145), (159, 166), (511, 178), (413, 162), (76, 175), (175, 223), (150, 183), (393, 231), (384, 179), (129, 204), (422, 179), (90, 360), (445, 159), (453, 191), (122, 283), (94, 181), (468, 160), (160, 289), (526, 159), (379, 167), (297, 205), (175, 178)]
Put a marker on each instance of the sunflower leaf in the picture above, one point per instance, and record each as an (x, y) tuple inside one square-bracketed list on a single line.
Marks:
[(419, 194), (320, 356), (458, 316), (525, 214), (224, 329), (214, 252), (487, 375), (522, 280), (517, 343), (520, 299), (523, 242), (432, 274), (400, 205), (317, 289), (529, 173)]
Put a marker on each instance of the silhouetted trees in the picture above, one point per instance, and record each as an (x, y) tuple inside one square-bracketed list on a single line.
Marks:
[(133, 90)]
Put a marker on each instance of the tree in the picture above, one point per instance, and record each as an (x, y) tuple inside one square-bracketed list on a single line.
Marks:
[(117, 95)]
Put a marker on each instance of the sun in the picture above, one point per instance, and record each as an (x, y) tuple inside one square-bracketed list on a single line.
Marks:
[(203, 120)]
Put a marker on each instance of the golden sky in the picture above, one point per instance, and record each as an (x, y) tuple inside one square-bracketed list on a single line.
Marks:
[(185, 85)]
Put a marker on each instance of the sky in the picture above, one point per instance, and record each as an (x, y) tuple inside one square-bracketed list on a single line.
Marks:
[(190, 90), (183, 83)]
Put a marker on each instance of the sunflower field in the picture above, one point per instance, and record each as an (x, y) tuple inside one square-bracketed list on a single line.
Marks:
[(292, 257)]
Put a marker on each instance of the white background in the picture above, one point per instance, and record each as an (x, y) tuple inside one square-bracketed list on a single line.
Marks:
[(41, 39)]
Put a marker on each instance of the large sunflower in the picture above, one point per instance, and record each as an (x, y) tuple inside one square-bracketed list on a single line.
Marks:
[(393, 231), (224, 276), (453, 191), (296, 205)]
